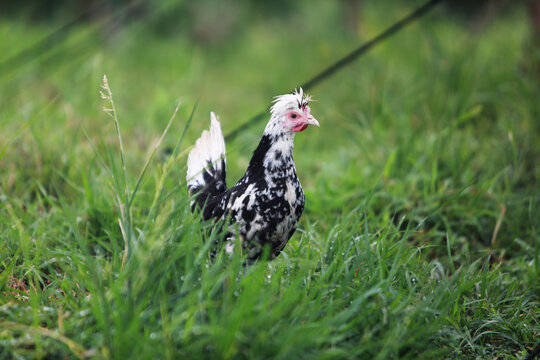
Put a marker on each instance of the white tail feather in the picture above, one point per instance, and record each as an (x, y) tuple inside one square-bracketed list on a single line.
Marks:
[(209, 148)]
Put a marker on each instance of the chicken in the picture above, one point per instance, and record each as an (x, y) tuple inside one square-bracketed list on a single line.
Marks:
[(264, 207)]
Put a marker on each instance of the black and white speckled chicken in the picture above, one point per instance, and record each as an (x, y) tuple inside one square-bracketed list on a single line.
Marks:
[(264, 207)]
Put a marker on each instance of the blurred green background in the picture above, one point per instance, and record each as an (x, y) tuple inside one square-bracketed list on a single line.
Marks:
[(432, 139)]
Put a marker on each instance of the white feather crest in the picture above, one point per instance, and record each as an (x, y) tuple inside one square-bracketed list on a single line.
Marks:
[(287, 102)]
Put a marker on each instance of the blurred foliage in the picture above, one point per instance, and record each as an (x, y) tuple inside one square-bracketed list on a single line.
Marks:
[(212, 20), (420, 233)]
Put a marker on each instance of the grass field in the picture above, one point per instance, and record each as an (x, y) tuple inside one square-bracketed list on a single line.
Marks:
[(420, 237)]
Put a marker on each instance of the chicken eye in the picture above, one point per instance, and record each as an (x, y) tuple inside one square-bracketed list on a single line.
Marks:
[(294, 116)]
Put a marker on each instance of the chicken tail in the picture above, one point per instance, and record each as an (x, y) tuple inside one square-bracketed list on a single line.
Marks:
[(206, 164)]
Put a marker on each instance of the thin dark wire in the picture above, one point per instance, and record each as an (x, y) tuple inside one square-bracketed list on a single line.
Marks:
[(346, 60), (45, 43), (48, 42), (533, 354)]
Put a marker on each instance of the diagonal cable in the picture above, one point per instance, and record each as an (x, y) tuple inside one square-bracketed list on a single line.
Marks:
[(346, 60), (56, 37), (45, 43)]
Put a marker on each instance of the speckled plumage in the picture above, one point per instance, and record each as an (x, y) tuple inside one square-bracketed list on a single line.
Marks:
[(267, 202)]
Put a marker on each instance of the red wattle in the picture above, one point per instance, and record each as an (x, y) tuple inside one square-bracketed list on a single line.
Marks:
[(300, 128)]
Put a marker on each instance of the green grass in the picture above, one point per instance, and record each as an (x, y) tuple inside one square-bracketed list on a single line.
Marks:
[(420, 235)]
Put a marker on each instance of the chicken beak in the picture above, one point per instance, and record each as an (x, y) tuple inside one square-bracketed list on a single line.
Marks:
[(312, 121)]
